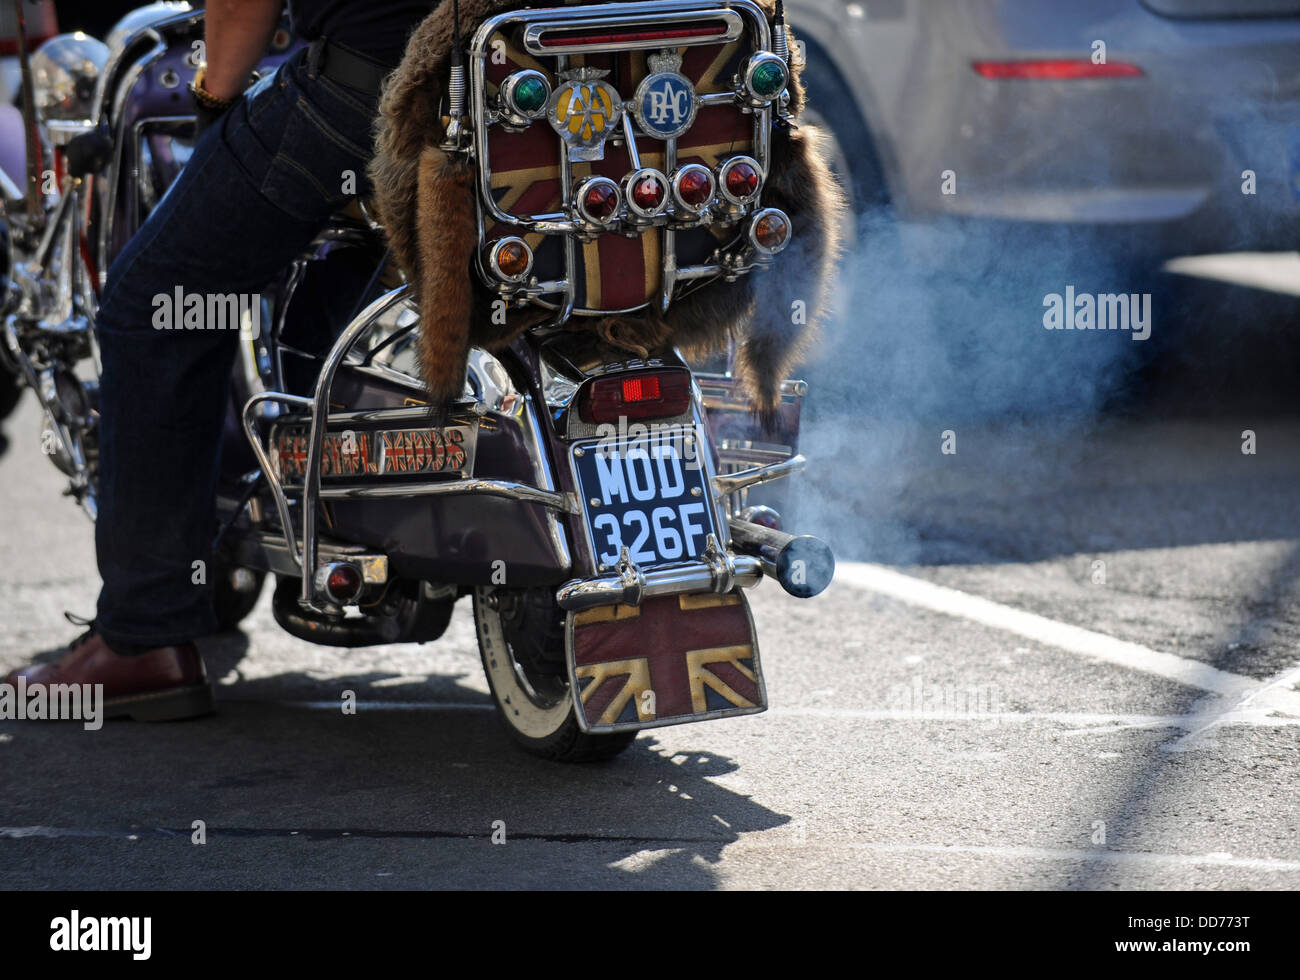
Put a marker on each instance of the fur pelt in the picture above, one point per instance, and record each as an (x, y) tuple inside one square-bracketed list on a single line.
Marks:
[(425, 201)]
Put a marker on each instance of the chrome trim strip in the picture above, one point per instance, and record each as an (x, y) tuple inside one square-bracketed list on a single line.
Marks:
[(653, 15), (607, 590)]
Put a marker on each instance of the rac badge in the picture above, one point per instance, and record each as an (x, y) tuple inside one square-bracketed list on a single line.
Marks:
[(585, 111), (665, 103)]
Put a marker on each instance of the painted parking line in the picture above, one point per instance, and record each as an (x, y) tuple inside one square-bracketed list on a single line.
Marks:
[(1035, 853), (1063, 636)]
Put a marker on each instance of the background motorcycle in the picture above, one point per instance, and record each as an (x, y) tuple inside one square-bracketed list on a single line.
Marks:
[(596, 552)]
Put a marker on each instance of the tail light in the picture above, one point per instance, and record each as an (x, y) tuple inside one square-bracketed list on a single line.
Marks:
[(635, 395), (1055, 69), (631, 32), (598, 200), (769, 231), (694, 188), (766, 77), (740, 179), (510, 259), (341, 581), (526, 94), (646, 192)]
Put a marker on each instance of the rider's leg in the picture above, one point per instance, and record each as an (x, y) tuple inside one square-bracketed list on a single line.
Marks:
[(251, 199)]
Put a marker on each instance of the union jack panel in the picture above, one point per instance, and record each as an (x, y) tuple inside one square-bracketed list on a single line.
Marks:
[(670, 660)]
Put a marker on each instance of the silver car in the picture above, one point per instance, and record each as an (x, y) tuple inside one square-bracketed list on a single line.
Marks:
[(1172, 115)]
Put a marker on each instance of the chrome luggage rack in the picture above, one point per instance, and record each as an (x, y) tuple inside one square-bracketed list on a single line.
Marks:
[(311, 492)]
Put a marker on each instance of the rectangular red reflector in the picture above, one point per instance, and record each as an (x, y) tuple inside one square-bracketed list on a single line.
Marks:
[(562, 39), (635, 395), (1055, 69), (641, 389)]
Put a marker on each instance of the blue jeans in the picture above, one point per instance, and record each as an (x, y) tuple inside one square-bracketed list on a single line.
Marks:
[(258, 188)]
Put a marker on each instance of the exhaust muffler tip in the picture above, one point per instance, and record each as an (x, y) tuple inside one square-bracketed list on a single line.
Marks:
[(805, 566)]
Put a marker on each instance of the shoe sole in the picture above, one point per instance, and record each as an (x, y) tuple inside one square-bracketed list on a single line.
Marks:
[(173, 705)]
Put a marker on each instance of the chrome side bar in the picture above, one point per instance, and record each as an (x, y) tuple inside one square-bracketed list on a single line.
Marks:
[(250, 433), (731, 482), (566, 503), (316, 440), (630, 586)]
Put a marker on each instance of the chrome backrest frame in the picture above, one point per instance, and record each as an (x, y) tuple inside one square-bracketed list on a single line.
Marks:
[(560, 223)]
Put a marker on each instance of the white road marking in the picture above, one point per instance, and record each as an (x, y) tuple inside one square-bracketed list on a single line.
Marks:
[(1278, 272), (1098, 721), (1075, 639), (1243, 711), (1035, 853)]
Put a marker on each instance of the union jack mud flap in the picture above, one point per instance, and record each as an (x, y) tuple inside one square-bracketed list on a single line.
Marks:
[(671, 660)]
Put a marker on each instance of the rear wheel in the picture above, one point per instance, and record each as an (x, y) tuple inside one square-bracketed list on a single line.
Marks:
[(521, 641)]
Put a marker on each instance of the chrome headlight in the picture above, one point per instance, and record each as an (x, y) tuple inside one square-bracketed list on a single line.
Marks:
[(65, 70)]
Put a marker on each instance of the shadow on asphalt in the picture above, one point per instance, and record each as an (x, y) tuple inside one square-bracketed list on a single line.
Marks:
[(429, 763)]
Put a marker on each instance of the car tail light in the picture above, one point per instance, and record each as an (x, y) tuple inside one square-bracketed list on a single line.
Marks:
[(1055, 69), (766, 77), (41, 22), (510, 259), (635, 395), (769, 231), (647, 192), (598, 200), (740, 179), (694, 187)]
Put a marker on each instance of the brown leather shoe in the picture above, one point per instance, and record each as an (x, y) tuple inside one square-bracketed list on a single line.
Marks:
[(162, 684)]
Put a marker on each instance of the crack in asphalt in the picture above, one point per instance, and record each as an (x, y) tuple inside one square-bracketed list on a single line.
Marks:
[(331, 833)]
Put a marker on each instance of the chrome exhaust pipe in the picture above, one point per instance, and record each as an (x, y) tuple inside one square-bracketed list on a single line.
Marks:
[(803, 564)]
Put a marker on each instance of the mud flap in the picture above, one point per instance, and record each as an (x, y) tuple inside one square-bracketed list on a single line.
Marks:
[(671, 660)]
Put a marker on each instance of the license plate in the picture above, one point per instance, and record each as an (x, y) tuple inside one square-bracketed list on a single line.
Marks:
[(648, 493)]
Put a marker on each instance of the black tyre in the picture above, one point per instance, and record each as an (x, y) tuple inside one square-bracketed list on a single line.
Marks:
[(10, 392), (521, 641), (235, 592)]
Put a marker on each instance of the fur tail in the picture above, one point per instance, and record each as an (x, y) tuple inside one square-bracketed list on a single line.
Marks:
[(447, 237)]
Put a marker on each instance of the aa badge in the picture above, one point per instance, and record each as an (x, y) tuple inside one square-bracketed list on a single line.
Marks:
[(585, 111)]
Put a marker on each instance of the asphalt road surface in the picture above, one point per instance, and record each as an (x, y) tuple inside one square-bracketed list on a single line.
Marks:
[(1067, 664)]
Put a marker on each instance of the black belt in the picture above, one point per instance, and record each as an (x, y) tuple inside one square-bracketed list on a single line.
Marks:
[(347, 67)]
